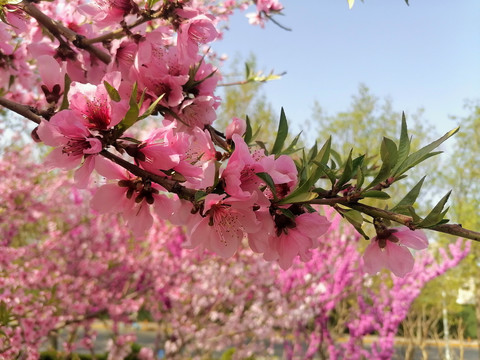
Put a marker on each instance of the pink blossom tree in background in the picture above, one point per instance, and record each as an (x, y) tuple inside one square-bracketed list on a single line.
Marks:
[(124, 94), (63, 267)]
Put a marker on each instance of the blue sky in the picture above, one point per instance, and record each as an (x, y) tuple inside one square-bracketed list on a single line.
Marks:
[(426, 55)]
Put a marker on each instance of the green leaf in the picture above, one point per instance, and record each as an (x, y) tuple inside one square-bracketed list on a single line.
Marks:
[(282, 133), (112, 92), (324, 154), (350, 3), (313, 152), (347, 171), (410, 198), (298, 198), (423, 154), (355, 218), (413, 214), (388, 153), (437, 214), (248, 132), (269, 181), (291, 148), (200, 195), (360, 178), (329, 173), (388, 150), (404, 144), (66, 89), (287, 213), (151, 108), (303, 192), (262, 145), (247, 71), (376, 194), (131, 117)]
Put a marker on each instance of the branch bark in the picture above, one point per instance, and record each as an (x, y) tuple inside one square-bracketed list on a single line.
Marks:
[(58, 30), (20, 109), (451, 229)]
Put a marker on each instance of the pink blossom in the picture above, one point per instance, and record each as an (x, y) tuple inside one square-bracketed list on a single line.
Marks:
[(53, 77), (196, 30), (131, 196), (240, 174), (93, 102), (237, 126), (199, 111), (391, 252), (298, 237), (73, 142), (225, 224)]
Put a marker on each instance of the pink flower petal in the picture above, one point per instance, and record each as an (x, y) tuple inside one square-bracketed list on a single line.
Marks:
[(399, 259), (413, 239), (82, 175), (108, 198), (374, 258)]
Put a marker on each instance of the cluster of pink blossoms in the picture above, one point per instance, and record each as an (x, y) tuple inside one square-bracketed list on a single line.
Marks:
[(106, 66)]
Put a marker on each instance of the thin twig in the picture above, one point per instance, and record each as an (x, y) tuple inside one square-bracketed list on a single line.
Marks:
[(58, 30), (169, 185), (451, 229), (120, 32), (20, 109)]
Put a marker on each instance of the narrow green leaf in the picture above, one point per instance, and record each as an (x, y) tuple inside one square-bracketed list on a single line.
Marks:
[(298, 198), (66, 89), (329, 173), (324, 154), (282, 133), (112, 92), (413, 214), (376, 194), (355, 218), (423, 154), (347, 171), (248, 132), (350, 3), (437, 214), (313, 152), (404, 144), (304, 189), (336, 157), (411, 197), (269, 181), (247, 71), (360, 178), (388, 153), (151, 108), (287, 213), (262, 145), (200, 195), (291, 148), (131, 117)]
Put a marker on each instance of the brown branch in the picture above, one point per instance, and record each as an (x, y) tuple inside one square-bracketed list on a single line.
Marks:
[(451, 229), (120, 32), (20, 109), (58, 30), (169, 185)]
